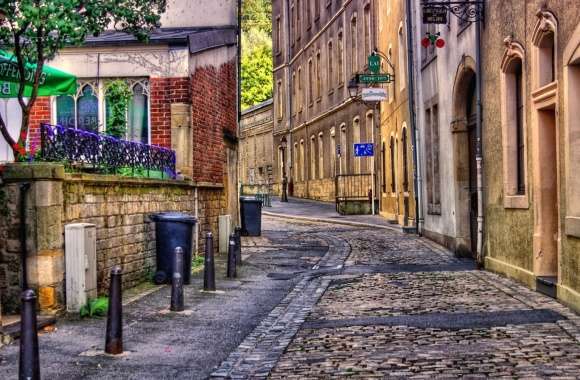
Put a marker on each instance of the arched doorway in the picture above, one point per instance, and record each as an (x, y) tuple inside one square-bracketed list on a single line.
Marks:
[(464, 150)]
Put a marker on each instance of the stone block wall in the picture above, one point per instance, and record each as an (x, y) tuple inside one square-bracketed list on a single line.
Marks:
[(119, 207)]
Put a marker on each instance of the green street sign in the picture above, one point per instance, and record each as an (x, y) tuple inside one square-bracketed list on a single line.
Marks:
[(375, 78), (374, 63)]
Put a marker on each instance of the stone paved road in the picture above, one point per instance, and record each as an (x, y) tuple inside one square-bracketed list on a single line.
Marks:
[(397, 306)]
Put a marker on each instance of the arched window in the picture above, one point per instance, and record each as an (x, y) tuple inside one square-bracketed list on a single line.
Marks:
[(138, 111), (367, 30), (384, 167), (402, 59), (544, 40), (88, 110), (393, 163), (320, 155), (295, 162), (343, 149), (302, 162), (318, 76), (404, 148), (332, 154), (329, 67), (353, 46), (340, 59), (513, 125), (294, 96), (300, 90), (356, 140), (310, 82), (280, 100), (312, 157)]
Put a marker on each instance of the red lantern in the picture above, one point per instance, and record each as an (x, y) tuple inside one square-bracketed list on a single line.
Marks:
[(425, 42), (440, 43)]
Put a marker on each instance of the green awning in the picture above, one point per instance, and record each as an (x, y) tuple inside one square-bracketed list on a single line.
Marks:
[(52, 81)]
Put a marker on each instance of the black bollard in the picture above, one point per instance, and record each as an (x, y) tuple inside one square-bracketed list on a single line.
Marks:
[(29, 366), (114, 339), (177, 282), (232, 257), (238, 233), (208, 267)]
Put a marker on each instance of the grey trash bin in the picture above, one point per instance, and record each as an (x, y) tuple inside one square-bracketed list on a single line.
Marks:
[(172, 230), (251, 215)]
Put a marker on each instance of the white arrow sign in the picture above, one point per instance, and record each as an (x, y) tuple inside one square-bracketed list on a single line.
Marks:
[(374, 94)]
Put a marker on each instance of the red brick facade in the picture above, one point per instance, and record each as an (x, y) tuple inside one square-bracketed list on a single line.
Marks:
[(163, 92), (214, 102), (40, 113)]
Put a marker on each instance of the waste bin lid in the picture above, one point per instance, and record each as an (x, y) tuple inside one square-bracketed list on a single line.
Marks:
[(179, 217), (249, 199)]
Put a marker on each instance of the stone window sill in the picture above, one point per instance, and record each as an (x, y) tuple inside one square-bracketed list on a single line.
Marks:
[(573, 226), (516, 202)]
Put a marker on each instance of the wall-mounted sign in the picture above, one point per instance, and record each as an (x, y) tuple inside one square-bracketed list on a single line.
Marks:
[(338, 150), (363, 150), (374, 94), (374, 64), (375, 78), (434, 15)]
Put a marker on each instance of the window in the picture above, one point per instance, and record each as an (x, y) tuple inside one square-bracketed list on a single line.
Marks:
[(356, 140), (332, 154), (280, 100), (302, 162), (402, 68), (300, 90), (343, 149), (316, 9), (432, 159), (384, 167), (572, 122), (310, 82), (367, 31), (340, 59), (320, 155), (295, 162), (312, 157), (318, 77), (298, 20), (547, 58), (404, 147), (293, 17), (308, 15), (393, 163), (278, 34), (513, 126), (354, 46), (294, 97), (329, 67), (89, 107), (281, 163)]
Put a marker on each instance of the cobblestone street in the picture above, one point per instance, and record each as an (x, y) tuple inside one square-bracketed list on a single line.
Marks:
[(382, 304)]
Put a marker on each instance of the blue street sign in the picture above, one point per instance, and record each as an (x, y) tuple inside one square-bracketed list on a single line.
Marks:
[(363, 150), (338, 150)]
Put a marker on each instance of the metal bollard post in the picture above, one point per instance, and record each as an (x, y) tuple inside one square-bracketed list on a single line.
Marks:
[(29, 365), (232, 257), (177, 282), (114, 339), (238, 233), (208, 267)]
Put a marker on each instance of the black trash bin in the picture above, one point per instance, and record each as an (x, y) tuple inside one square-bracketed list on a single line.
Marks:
[(172, 230), (251, 215)]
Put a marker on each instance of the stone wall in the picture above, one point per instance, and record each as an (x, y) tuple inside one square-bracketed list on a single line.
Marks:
[(119, 207)]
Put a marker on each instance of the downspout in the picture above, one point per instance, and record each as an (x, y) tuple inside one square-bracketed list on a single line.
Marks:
[(196, 214), (417, 180), (239, 111), (288, 75), (479, 147)]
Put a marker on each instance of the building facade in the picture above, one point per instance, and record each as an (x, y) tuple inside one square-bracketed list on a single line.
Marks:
[(446, 122), (397, 200), (532, 144), (319, 45), (256, 146)]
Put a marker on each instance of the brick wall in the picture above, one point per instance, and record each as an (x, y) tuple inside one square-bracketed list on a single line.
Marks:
[(163, 92), (118, 206), (214, 103), (40, 113)]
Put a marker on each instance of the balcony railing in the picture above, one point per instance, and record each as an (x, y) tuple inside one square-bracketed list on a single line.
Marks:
[(88, 150)]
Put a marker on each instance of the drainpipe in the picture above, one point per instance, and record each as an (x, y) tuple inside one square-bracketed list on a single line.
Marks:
[(417, 180), (479, 147), (24, 249), (196, 214), (239, 110)]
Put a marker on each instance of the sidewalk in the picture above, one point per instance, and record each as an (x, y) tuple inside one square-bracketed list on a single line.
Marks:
[(164, 345), (317, 211)]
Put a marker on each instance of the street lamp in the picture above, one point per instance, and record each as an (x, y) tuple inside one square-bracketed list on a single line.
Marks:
[(284, 145), (353, 88)]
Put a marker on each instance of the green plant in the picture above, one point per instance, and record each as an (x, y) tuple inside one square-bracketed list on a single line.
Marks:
[(118, 97), (197, 262), (95, 307)]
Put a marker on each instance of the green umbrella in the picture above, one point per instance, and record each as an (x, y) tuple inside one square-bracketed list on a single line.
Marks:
[(52, 81)]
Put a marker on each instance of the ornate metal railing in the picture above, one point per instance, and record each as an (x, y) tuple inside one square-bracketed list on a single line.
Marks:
[(104, 153)]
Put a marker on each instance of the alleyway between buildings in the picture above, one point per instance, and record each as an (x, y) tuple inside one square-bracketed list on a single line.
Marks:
[(321, 300)]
